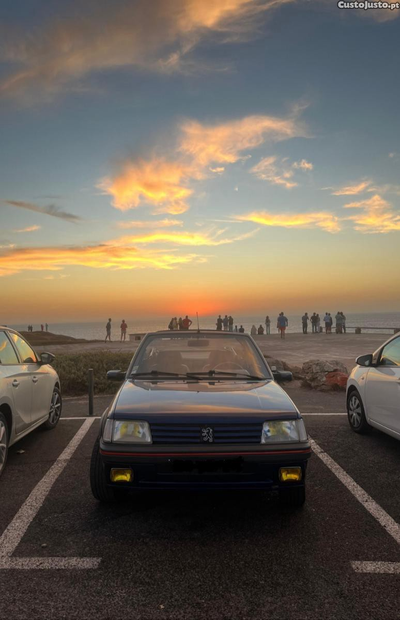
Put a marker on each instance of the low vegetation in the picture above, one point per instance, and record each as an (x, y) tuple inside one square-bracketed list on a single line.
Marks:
[(73, 371)]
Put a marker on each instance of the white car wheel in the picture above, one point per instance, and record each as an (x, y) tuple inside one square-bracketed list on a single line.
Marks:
[(355, 413), (55, 410)]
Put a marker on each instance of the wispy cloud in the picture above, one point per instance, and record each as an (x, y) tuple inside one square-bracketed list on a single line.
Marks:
[(225, 143), (352, 190), (324, 220), (27, 229), (377, 215), (157, 182), (98, 36), (52, 210), (166, 223), (51, 259), (203, 238), (280, 171), (165, 184)]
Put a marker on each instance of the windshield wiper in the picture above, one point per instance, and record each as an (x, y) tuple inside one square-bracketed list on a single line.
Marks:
[(217, 373), (155, 373)]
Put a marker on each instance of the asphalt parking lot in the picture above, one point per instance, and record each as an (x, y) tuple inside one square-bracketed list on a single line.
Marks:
[(223, 556)]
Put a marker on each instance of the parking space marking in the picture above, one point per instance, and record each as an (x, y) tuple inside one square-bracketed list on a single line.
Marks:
[(388, 568), (323, 413), (81, 417), (383, 518), (15, 531)]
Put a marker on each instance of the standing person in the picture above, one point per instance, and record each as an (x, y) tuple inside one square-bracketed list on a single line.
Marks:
[(124, 327), (330, 323), (343, 322), (282, 324), (304, 320), (170, 324), (108, 331), (260, 330), (327, 321), (267, 325), (226, 322), (42, 327), (230, 323), (314, 323), (236, 328), (253, 330), (318, 323), (186, 322), (241, 329), (219, 324), (180, 323), (47, 327), (174, 323), (339, 323)]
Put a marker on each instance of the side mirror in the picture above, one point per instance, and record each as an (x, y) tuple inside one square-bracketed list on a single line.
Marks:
[(46, 358), (282, 375), (365, 360), (116, 375)]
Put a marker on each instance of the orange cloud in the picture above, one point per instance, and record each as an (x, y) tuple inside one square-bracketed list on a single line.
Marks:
[(97, 257), (226, 142), (166, 223), (325, 221), (352, 190), (267, 170), (210, 238), (103, 36), (27, 229), (157, 182), (378, 215)]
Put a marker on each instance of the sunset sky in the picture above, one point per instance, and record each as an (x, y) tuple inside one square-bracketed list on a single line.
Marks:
[(168, 156)]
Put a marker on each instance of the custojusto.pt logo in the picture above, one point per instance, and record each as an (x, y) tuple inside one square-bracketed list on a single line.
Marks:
[(365, 5)]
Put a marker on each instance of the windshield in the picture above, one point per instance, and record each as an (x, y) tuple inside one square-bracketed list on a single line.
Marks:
[(200, 354)]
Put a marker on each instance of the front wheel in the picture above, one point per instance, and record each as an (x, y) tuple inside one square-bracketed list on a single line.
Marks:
[(4, 439), (356, 414), (293, 497), (55, 410)]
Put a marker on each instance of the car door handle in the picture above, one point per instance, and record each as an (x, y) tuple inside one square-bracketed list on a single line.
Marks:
[(35, 379), (15, 383)]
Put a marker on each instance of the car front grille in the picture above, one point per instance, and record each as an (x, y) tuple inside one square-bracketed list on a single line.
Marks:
[(192, 433)]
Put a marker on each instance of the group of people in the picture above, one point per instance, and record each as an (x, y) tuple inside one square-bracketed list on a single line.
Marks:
[(182, 324), (315, 321), (42, 327), (123, 328), (225, 324)]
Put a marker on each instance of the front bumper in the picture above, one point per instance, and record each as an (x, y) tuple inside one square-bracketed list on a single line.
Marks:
[(190, 468)]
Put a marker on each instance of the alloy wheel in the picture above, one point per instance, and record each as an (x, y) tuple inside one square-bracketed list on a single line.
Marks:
[(3, 445), (55, 408), (355, 411)]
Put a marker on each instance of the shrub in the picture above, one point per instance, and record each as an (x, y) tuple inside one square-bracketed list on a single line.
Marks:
[(73, 371)]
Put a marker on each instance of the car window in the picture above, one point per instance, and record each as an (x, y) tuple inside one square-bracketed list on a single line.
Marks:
[(191, 352), (27, 354), (7, 353), (391, 354)]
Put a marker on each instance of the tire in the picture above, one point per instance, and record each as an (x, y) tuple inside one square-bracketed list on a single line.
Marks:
[(292, 497), (55, 411), (4, 440), (100, 490), (356, 414)]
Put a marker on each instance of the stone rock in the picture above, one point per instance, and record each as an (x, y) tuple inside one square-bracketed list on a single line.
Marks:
[(315, 375)]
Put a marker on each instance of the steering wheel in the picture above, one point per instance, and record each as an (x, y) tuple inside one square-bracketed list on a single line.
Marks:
[(228, 366)]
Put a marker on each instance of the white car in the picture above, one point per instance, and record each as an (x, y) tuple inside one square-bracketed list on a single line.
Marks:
[(373, 390), (29, 391)]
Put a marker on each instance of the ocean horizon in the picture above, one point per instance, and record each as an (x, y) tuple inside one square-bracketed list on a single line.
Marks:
[(95, 330)]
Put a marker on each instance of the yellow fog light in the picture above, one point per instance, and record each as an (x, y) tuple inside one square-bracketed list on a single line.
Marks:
[(121, 475), (290, 474)]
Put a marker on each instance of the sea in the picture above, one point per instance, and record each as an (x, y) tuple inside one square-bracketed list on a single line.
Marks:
[(96, 330)]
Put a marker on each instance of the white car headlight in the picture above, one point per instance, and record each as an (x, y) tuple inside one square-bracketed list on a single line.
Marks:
[(283, 431), (127, 431)]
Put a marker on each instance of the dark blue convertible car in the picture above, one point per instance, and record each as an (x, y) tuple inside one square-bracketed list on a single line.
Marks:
[(200, 410)]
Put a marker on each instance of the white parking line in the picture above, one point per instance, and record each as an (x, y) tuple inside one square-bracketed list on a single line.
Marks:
[(325, 413), (383, 518), (389, 568), (13, 534), (81, 417)]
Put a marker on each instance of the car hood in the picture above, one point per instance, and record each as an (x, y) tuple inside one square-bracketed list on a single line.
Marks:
[(204, 399)]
